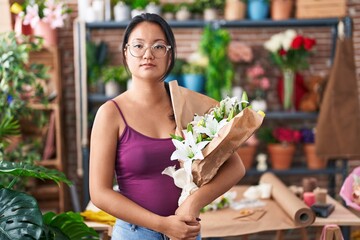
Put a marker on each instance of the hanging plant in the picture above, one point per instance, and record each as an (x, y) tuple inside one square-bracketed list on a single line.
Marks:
[(219, 74)]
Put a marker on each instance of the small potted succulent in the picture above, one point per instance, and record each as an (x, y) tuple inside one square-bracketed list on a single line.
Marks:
[(169, 10), (115, 79), (122, 11)]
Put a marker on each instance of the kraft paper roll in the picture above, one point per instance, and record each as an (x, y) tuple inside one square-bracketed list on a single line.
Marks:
[(301, 214)]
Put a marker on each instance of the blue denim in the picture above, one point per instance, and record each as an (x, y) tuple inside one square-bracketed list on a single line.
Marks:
[(126, 231)]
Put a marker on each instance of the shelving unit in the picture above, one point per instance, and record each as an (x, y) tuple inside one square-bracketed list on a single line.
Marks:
[(50, 196), (82, 31)]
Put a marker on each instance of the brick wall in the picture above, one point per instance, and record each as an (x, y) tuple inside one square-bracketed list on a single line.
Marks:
[(187, 40)]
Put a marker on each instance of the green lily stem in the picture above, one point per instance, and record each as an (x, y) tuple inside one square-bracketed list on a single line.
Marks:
[(13, 182)]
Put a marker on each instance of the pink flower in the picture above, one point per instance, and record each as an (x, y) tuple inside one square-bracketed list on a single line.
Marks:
[(264, 83), (287, 135), (32, 15), (53, 14)]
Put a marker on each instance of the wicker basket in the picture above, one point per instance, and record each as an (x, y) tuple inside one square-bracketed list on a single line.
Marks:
[(320, 8)]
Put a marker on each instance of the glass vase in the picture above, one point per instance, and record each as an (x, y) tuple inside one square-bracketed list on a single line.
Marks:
[(288, 90)]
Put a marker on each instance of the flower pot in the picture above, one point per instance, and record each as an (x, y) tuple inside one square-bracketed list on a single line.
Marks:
[(195, 82), (247, 154), (210, 14), (136, 12), (169, 16), (281, 155), (281, 9), (258, 9), (183, 14), (234, 10), (44, 30), (153, 8), (122, 12), (312, 160), (112, 89)]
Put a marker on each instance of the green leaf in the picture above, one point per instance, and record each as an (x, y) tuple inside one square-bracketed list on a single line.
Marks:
[(20, 217), (176, 137), (20, 169), (68, 225)]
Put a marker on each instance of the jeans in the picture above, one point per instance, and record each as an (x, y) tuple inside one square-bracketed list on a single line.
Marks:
[(126, 231)]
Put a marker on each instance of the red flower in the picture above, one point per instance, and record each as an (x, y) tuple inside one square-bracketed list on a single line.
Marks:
[(309, 43), (282, 52), (297, 43), (287, 135)]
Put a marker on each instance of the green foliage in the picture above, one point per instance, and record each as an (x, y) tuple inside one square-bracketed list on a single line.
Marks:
[(265, 134), (139, 4), (19, 214), (96, 59), (216, 4), (115, 73), (191, 68), (178, 66), (67, 225), (220, 72), (168, 8)]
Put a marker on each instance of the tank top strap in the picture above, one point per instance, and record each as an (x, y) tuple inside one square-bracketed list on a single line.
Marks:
[(122, 115)]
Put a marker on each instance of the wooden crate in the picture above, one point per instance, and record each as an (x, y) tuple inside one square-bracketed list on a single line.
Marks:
[(320, 8)]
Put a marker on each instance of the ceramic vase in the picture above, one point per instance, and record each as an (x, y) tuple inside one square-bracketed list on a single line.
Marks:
[(281, 9), (44, 30), (258, 9), (195, 82), (288, 90), (234, 10), (122, 12)]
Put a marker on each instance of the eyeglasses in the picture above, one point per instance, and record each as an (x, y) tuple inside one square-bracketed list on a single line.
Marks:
[(158, 50)]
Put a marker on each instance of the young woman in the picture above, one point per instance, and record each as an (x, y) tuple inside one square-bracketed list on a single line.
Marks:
[(131, 138)]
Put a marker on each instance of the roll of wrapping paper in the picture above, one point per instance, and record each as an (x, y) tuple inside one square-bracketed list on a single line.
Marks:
[(297, 210)]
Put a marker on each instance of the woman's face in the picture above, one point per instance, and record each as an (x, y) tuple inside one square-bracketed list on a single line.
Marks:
[(149, 39)]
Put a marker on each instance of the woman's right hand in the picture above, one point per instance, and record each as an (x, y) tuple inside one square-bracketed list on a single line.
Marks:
[(178, 227)]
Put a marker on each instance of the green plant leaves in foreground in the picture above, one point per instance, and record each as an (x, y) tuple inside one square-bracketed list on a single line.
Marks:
[(20, 169), (68, 225), (20, 217)]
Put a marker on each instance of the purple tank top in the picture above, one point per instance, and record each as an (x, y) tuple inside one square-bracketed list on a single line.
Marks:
[(139, 162)]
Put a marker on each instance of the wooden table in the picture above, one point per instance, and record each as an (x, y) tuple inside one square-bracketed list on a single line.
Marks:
[(103, 229), (340, 216)]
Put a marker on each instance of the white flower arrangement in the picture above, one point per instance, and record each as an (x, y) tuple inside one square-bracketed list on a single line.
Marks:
[(280, 40), (200, 131)]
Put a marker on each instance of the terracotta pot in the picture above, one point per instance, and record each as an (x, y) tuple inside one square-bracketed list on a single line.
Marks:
[(281, 155), (247, 154), (44, 30), (281, 9), (234, 10), (312, 160)]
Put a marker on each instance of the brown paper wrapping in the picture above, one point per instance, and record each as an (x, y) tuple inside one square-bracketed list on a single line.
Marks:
[(186, 104), (301, 214)]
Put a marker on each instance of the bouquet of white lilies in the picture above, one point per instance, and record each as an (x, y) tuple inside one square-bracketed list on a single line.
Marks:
[(204, 142)]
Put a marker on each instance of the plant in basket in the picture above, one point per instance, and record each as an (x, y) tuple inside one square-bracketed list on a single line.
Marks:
[(280, 145), (313, 161), (290, 51)]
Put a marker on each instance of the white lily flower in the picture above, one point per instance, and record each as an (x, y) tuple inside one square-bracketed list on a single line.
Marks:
[(212, 127), (230, 103), (188, 150)]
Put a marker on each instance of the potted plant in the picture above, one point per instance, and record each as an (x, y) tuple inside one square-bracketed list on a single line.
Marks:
[(211, 8), (281, 9), (219, 72), (138, 7), (153, 7), (169, 10), (43, 17), (96, 61), (115, 79), (122, 11), (280, 145), (183, 11), (194, 72), (313, 161), (234, 10)]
